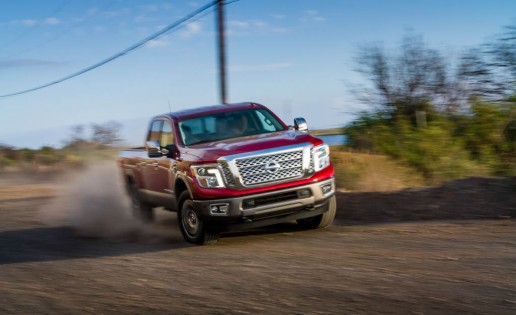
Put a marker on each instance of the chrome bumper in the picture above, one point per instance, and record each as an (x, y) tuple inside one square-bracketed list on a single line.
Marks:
[(291, 203)]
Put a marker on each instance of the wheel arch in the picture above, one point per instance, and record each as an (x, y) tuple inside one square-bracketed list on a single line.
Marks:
[(180, 187)]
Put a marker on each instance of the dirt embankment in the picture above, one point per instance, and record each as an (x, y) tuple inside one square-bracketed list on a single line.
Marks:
[(470, 198)]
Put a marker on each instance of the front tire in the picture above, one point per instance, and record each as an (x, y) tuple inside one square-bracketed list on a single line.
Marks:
[(322, 220), (191, 224)]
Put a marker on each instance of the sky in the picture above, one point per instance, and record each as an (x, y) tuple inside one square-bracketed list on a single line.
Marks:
[(295, 56)]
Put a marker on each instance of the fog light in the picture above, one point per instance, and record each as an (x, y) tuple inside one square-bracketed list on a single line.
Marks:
[(249, 203), (326, 188), (219, 208), (303, 193)]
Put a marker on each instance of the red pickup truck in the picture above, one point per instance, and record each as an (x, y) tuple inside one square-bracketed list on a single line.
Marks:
[(229, 167)]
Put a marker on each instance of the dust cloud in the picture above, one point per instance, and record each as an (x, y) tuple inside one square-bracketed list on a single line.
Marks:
[(94, 203)]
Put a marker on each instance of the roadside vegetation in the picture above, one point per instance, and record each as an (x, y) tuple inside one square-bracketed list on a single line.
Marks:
[(444, 122), (77, 150)]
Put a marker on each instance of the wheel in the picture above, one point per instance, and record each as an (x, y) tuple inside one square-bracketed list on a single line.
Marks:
[(322, 220), (142, 210), (192, 226)]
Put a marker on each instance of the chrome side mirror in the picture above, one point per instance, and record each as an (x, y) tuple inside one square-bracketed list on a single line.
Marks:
[(300, 124), (153, 149)]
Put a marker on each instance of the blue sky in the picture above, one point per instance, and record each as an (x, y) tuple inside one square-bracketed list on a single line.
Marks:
[(295, 56)]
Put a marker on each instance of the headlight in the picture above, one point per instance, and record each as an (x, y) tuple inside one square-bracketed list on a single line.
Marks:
[(321, 156), (208, 176)]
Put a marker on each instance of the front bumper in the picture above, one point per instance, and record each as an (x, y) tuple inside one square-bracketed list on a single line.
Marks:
[(268, 208)]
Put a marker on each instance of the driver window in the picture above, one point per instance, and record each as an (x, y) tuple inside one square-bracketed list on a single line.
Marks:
[(154, 130), (167, 136)]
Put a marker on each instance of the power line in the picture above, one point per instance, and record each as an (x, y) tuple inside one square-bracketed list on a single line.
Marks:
[(123, 52)]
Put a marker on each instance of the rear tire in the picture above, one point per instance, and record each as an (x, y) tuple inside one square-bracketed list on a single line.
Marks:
[(322, 220), (142, 210), (191, 224)]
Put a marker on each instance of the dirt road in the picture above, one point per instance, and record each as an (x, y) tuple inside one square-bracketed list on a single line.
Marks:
[(363, 264)]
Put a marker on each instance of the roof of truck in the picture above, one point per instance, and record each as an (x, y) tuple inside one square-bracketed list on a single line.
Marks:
[(200, 111)]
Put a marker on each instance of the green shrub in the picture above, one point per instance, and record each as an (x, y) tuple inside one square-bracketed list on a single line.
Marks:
[(444, 149), (6, 162)]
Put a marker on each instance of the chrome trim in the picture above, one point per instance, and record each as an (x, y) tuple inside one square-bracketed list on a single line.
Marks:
[(236, 209), (300, 124), (238, 182)]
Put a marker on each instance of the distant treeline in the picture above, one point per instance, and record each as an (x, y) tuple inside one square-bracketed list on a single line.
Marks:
[(326, 132), (76, 149), (445, 118)]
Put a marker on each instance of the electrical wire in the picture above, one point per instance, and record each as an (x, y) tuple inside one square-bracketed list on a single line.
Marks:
[(131, 48)]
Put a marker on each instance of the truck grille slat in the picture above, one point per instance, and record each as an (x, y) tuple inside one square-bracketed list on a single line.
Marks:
[(227, 174), (254, 170)]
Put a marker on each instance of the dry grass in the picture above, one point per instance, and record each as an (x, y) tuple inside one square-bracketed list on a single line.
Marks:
[(26, 191), (369, 172)]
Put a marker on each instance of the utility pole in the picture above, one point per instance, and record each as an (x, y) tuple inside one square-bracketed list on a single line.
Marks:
[(222, 51)]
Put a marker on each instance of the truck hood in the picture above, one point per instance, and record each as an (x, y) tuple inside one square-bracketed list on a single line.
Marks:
[(210, 152)]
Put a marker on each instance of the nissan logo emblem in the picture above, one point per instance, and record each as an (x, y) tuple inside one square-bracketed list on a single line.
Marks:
[(272, 167)]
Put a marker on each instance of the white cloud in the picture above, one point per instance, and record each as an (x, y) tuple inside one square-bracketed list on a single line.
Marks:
[(156, 43), (312, 16), (149, 7), (33, 22), (249, 27), (99, 29), (26, 22), (116, 13), (279, 16), (191, 29), (260, 24), (142, 18), (26, 63), (239, 24), (51, 21), (260, 67), (167, 6)]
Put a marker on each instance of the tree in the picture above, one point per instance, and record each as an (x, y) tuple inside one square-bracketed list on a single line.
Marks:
[(489, 72), (77, 138), (411, 81), (503, 53), (106, 134)]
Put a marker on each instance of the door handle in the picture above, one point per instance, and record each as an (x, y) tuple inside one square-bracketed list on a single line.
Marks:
[(155, 164)]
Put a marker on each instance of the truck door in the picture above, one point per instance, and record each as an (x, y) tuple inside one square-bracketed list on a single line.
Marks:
[(157, 171)]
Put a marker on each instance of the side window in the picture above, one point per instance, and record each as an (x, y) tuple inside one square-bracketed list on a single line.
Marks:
[(167, 136), (155, 129)]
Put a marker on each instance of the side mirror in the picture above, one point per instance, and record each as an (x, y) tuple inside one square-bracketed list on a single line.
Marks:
[(300, 124), (153, 149), (170, 151)]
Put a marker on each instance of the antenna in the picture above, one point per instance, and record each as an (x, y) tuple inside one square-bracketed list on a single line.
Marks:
[(169, 108)]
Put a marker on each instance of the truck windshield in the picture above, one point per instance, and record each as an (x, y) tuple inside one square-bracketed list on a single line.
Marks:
[(220, 126)]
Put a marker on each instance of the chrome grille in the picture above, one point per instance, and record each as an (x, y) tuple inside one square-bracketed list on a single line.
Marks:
[(253, 170), (227, 174)]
